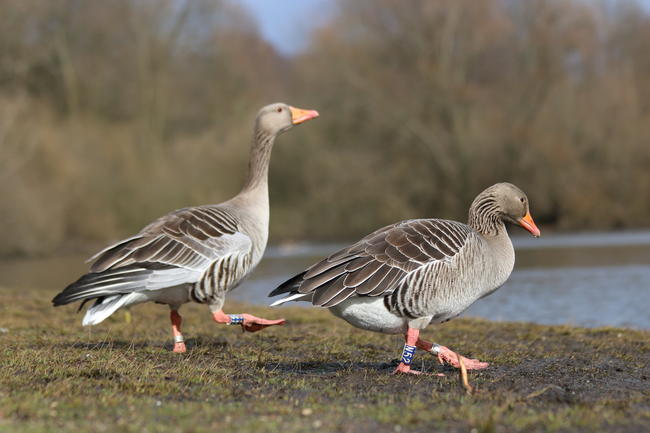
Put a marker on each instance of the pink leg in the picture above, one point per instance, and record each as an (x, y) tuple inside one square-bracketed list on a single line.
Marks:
[(248, 322), (404, 366), (179, 342), (445, 354)]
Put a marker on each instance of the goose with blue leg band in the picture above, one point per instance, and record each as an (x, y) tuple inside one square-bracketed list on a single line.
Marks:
[(402, 277), (195, 254)]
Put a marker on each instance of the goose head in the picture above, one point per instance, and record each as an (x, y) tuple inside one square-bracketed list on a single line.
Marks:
[(502, 202), (513, 207), (279, 117)]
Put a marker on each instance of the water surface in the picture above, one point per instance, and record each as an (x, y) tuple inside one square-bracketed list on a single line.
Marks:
[(600, 279)]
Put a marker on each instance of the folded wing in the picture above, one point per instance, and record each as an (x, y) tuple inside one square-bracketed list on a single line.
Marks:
[(378, 263), (173, 250)]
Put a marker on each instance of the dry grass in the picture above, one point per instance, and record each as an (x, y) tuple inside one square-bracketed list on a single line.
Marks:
[(316, 373)]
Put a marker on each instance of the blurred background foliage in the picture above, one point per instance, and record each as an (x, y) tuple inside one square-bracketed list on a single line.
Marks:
[(113, 113)]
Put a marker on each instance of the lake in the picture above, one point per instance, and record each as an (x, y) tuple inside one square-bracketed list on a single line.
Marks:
[(591, 279)]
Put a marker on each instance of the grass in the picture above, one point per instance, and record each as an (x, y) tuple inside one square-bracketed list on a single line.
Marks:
[(314, 374)]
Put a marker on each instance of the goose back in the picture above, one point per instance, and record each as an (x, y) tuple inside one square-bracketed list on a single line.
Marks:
[(423, 267)]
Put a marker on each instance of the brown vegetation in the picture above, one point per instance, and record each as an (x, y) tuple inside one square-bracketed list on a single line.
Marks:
[(112, 113)]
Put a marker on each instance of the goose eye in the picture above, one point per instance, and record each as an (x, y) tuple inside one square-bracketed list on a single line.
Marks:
[(522, 199), (279, 110)]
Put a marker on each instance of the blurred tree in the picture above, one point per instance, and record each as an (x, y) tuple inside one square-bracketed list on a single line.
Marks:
[(432, 101), (130, 109), (113, 113)]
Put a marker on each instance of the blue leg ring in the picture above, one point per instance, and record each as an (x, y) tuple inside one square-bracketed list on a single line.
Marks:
[(407, 354), (235, 319)]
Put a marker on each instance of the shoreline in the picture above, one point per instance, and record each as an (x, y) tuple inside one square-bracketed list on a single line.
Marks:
[(317, 373)]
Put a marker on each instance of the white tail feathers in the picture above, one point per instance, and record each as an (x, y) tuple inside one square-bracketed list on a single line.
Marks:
[(294, 297), (101, 310)]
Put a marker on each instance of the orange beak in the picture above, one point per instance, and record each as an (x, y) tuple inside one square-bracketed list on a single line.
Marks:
[(528, 223), (298, 115)]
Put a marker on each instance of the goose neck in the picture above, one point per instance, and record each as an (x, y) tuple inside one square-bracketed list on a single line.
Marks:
[(485, 217), (258, 164)]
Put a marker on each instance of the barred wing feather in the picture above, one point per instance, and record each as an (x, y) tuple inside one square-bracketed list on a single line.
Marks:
[(189, 238), (173, 250), (378, 263)]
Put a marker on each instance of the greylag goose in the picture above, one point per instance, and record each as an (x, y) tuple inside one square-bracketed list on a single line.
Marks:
[(193, 254), (415, 272)]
